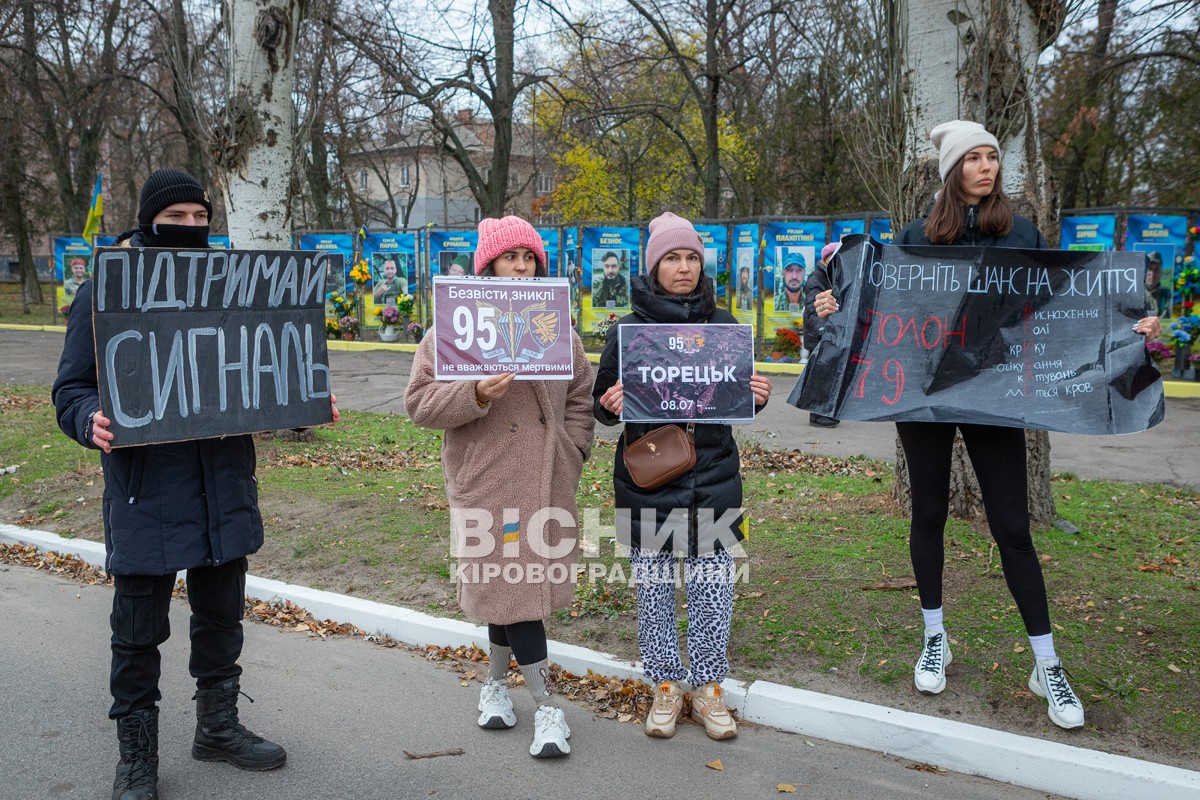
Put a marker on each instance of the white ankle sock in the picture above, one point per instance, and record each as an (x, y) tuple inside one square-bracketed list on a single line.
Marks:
[(933, 620), (1043, 646)]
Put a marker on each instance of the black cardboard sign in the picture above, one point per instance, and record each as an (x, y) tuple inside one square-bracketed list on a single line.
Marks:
[(192, 344), (1021, 338)]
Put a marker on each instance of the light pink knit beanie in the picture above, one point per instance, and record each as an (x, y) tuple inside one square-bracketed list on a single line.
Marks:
[(669, 232), (498, 236)]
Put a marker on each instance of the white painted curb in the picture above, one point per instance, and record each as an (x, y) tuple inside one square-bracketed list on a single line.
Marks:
[(1021, 760)]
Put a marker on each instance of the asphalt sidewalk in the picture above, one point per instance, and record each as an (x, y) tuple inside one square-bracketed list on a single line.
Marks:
[(346, 710), (771, 709)]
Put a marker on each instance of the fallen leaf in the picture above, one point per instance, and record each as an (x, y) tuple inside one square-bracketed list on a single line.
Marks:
[(1173, 668), (1046, 559), (717, 765), (1150, 568), (786, 788), (928, 768)]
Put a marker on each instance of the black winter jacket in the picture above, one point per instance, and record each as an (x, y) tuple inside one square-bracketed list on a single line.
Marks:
[(167, 507), (715, 483), (1024, 234)]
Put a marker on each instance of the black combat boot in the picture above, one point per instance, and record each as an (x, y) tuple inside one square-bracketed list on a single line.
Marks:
[(137, 771), (220, 737)]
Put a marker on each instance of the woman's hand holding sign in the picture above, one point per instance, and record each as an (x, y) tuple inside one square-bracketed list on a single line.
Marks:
[(493, 387), (825, 303), (761, 386), (614, 398)]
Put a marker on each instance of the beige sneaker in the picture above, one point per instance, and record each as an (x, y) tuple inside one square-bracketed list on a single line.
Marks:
[(668, 702), (708, 708)]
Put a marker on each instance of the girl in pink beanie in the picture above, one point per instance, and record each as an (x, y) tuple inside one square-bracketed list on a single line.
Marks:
[(511, 451)]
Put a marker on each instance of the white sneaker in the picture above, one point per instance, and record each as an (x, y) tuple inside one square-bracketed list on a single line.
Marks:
[(930, 673), (1049, 680), (550, 733), (495, 707)]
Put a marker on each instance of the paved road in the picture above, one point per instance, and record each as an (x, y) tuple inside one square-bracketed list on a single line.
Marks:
[(346, 709), (374, 380)]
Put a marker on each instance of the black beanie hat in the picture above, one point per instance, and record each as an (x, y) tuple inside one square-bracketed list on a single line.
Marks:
[(165, 187)]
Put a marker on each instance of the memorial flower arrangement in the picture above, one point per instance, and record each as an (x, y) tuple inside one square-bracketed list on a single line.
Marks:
[(1185, 329), (360, 273), (788, 341), (602, 327), (348, 324), (415, 331), (342, 304), (1187, 283), (388, 315), (404, 305), (1160, 351)]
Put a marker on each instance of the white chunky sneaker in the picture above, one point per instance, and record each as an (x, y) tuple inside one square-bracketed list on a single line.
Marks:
[(1049, 680), (550, 733), (495, 707), (930, 673), (664, 712)]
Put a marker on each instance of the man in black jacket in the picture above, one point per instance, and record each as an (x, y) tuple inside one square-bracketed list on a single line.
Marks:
[(190, 505)]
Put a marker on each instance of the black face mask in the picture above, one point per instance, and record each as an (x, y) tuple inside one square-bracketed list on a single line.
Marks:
[(174, 235)]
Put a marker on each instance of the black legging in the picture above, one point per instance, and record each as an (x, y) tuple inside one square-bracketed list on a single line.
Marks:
[(998, 456), (527, 640)]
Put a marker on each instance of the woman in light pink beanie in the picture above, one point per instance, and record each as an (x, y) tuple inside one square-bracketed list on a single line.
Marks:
[(675, 291), (511, 451), (505, 237)]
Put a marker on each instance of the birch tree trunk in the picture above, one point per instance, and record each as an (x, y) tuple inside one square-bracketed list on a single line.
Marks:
[(253, 149), (975, 60)]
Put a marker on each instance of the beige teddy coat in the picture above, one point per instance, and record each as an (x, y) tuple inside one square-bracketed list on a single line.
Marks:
[(520, 454)]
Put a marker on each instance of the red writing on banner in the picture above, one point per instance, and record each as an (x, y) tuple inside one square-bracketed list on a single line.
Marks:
[(892, 329), (893, 373)]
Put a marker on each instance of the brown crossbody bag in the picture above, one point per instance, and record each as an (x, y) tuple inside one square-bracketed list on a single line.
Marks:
[(661, 456)]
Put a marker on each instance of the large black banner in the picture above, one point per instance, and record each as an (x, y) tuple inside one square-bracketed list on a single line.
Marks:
[(1021, 338), (198, 343)]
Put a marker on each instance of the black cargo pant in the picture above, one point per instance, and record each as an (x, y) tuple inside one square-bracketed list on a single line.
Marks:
[(140, 624)]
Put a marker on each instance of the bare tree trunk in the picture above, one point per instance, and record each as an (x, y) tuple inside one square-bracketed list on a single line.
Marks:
[(13, 215), (254, 147), (973, 59)]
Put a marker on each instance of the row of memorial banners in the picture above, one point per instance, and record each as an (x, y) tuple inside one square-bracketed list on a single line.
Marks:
[(759, 267)]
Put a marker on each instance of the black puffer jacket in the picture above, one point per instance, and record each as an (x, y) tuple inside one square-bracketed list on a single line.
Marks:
[(715, 483), (167, 507), (1024, 234)]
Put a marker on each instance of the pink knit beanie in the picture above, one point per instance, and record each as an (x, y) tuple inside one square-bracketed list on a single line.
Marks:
[(669, 232), (828, 251), (498, 236)]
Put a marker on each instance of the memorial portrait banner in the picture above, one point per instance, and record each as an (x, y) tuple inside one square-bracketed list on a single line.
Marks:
[(715, 239), (192, 344), (745, 273), (687, 373), (488, 326), (1021, 338), (609, 257), (1093, 232)]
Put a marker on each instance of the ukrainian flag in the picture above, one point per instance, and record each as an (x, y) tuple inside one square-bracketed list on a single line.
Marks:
[(92, 226)]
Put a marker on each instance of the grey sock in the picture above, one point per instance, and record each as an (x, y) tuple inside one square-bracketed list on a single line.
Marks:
[(498, 657), (537, 678)]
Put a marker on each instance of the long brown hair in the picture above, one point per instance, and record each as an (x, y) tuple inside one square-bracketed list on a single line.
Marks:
[(945, 223)]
